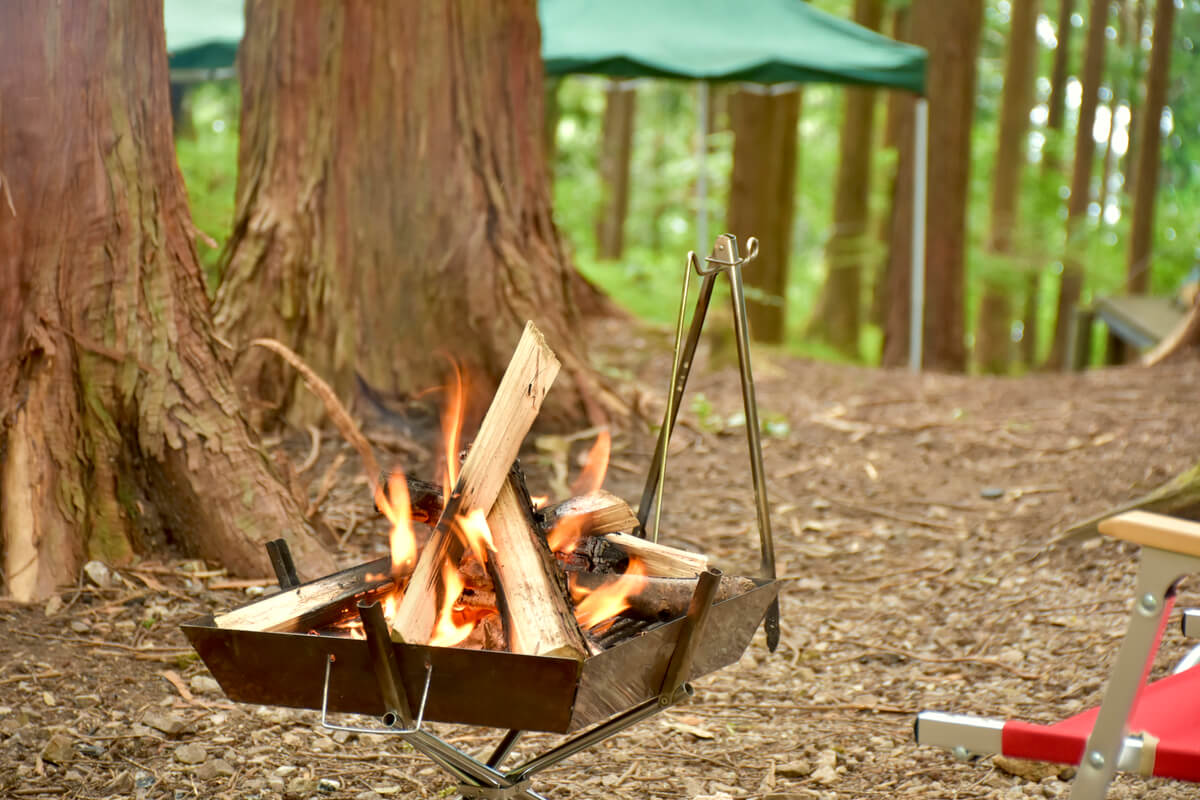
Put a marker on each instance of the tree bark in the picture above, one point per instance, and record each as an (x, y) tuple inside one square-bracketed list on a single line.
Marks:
[(1071, 286), (616, 151), (837, 317), (950, 32), (762, 192), (992, 348), (1145, 192), (393, 200), (121, 424)]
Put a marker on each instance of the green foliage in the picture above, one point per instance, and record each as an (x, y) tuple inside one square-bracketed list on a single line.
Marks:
[(206, 147)]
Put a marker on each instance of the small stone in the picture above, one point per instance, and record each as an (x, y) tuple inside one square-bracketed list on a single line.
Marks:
[(214, 768), (368, 795), (291, 740), (90, 750), (165, 721), (59, 750), (323, 745), (341, 737), (98, 573), (49, 699), (143, 780), (286, 770), (825, 774), (204, 684), (53, 605), (800, 768), (328, 785), (300, 786), (122, 783), (87, 700), (191, 753), (79, 626), (991, 492)]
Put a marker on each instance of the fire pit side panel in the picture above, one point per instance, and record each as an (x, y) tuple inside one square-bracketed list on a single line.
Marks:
[(469, 687), (633, 671)]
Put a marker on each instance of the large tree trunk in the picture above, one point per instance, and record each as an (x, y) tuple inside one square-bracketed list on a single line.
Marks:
[(762, 193), (393, 203), (1145, 193), (950, 32), (992, 341), (122, 426), (616, 152), (1071, 286), (837, 317)]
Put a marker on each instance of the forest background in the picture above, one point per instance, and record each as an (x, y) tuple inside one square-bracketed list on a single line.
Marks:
[(657, 223)]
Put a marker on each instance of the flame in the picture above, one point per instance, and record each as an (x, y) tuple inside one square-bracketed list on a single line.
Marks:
[(594, 470), (399, 512), (477, 534), (595, 607), (452, 424), (565, 535), (539, 500), (447, 632)]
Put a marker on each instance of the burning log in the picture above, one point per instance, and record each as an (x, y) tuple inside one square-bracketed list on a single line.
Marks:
[(515, 405), (595, 513), (532, 597), (665, 598), (311, 605), (659, 560)]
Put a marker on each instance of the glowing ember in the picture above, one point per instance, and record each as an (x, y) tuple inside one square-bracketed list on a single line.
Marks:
[(447, 632), (477, 534), (592, 477), (539, 500), (595, 607), (398, 511)]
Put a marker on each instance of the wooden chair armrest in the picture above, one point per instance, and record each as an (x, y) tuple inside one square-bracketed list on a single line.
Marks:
[(1155, 530)]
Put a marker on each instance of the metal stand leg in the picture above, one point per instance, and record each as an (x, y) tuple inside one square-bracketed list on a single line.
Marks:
[(1160, 571)]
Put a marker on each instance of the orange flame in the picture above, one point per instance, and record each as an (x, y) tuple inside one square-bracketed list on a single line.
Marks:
[(447, 632), (596, 467), (395, 506), (452, 423), (565, 535), (477, 534), (594, 607)]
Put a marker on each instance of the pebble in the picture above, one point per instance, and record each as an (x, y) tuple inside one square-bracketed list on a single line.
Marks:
[(800, 768), (328, 785), (191, 753), (204, 684), (165, 721), (300, 786), (214, 768), (99, 573), (59, 750)]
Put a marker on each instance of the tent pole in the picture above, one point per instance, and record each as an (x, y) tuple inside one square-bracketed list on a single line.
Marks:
[(916, 320), (702, 170)]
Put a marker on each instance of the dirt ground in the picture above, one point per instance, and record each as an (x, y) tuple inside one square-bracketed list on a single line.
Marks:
[(913, 517)]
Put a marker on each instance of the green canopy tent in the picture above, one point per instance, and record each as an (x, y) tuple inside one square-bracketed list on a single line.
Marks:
[(760, 41), (764, 41)]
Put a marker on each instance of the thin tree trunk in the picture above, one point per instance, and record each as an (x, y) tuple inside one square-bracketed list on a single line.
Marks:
[(616, 151), (950, 32), (836, 318), (1051, 164), (995, 315), (1071, 285), (1141, 229), (122, 424), (1139, 21), (393, 201), (762, 198)]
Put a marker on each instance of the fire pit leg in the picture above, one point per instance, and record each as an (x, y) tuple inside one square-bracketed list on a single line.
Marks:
[(504, 748)]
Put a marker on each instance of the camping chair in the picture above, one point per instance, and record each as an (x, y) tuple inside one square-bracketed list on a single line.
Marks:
[(1151, 729)]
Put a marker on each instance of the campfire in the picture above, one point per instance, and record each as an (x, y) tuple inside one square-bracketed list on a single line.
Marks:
[(510, 615)]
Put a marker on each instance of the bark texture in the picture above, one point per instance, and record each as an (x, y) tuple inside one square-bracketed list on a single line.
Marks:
[(762, 199), (1149, 156), (616, 153), (950, 32), (121, 425), (992, 341), (393, 202), (838, 313), (1071, 286)]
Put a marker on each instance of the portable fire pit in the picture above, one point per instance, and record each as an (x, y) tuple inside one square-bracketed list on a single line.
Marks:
[(327, 645)]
